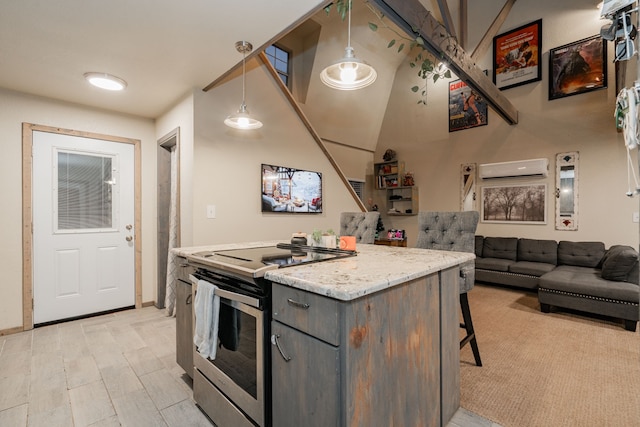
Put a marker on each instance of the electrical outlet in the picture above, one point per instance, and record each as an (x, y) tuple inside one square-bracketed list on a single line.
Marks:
[(636, 217), (211, 211)]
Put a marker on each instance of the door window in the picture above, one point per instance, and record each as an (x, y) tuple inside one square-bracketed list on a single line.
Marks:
[(83, 193)]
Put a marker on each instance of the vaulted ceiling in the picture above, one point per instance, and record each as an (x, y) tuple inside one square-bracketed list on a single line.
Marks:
[(162, 48)]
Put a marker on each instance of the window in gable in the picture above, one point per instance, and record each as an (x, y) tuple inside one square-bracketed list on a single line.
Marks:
[(279, 58)]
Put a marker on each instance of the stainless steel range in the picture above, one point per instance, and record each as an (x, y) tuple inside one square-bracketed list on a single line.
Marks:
[(234, 388)]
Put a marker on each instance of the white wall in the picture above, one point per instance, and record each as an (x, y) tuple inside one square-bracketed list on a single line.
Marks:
[(582, 123), (226, 164), (16, 108)]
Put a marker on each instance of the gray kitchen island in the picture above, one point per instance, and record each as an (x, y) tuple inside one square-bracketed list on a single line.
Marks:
[(369, 340)]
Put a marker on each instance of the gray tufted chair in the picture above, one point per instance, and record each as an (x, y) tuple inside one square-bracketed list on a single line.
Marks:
[(359, 224), (454, 231)]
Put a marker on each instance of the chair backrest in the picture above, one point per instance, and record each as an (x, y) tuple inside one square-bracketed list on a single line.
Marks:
[(450, 231), (360, 224), (447, 231)]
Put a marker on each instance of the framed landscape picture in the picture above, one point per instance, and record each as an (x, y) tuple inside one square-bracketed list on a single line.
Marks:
[(577, 67), (517, 56), (523, 204), (467, 109)]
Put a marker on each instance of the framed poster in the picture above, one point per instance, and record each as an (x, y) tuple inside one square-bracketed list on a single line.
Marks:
[(517, 56), (523, 204), (577, 67), (467, 109)]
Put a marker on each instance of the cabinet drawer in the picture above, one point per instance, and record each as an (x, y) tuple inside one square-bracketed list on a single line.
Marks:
[(308, 312)]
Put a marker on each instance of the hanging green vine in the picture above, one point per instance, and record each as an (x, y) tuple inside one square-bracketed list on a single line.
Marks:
[(428, 68)]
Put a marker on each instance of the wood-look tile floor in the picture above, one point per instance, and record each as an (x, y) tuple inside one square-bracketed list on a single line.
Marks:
[(113, 370)]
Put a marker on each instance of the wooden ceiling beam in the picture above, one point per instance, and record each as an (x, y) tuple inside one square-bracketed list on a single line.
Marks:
[(464, 26), (412, 17), (487, 40), (446, 17)]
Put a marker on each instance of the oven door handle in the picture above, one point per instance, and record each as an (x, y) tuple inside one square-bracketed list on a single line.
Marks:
[(231, 296)]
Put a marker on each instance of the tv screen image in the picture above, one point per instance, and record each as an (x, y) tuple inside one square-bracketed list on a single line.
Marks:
[(291, 190)]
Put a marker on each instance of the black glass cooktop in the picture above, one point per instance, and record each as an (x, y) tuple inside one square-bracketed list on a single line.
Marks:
[(283, 255)]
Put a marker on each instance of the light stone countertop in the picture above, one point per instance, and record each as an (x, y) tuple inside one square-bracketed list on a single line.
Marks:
[(374, 268)]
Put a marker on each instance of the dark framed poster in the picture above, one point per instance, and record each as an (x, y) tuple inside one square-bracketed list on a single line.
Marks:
[(467, 108), (517, 56), (577, 67)]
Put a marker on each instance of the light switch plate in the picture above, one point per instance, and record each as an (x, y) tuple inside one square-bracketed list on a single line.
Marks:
[(636, 217), (211, 211)]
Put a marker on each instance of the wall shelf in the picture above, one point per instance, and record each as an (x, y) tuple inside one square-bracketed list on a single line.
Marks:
[(401, 200)]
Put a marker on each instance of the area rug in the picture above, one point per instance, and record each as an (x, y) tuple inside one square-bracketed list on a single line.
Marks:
[(557, 369)]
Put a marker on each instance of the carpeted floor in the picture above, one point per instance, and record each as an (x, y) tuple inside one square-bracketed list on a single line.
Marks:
[(557, 369)]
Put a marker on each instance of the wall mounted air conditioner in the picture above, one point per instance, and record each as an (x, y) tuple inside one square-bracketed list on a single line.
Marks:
[(530, 168)]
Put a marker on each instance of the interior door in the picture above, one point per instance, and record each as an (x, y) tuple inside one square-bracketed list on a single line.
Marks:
[(83, 217)]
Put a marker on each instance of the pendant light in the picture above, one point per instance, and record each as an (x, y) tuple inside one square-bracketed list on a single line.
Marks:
[(242, 119), (349, 72)]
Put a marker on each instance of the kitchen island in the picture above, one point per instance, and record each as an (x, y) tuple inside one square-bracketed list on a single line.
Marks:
[(370, 340)]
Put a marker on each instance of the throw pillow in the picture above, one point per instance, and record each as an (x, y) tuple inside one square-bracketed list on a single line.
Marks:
[(619, 264)]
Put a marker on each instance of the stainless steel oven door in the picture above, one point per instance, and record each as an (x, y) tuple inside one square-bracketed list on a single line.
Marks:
[(238, 368)]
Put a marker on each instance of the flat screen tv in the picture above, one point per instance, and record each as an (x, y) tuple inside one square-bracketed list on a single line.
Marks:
[(291, 190)]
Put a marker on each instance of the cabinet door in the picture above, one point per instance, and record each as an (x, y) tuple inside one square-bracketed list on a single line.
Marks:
[(184, 334), (306, 388)]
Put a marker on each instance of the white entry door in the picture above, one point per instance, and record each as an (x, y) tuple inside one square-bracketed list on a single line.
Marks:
[(83, 217)]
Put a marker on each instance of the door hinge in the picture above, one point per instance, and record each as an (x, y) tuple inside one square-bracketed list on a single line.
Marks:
[(32, 306)]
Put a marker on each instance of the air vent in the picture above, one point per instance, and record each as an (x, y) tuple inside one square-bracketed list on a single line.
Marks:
[(530, 168)]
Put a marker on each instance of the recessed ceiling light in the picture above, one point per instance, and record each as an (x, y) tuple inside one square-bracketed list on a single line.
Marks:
[(105, 81)]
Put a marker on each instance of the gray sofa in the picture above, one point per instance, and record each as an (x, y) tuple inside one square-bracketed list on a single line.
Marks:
[(582, 276)]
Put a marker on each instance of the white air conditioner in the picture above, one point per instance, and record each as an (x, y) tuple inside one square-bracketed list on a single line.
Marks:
[(531, 168)]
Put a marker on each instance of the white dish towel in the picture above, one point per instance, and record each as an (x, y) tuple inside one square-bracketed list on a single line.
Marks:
[(207, 311)]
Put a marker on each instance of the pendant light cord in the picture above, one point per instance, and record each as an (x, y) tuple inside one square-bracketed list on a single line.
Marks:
[(349, 27), (244, 55)]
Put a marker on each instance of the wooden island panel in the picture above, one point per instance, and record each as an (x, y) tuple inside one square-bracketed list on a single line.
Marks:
[(395, 350), (392, 356)]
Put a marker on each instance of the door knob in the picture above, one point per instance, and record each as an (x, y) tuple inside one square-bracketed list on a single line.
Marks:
[(128, 238), (129, 227)]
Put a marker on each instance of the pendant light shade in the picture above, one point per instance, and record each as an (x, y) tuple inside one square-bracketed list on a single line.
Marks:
[(242, 119), (349, 72)]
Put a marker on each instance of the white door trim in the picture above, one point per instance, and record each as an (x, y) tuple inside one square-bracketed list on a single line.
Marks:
[(27, 212)]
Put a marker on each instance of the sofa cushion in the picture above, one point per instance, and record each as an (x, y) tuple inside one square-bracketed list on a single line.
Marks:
[(531, 268), (535, 250), (500, 247), (478, 246), (582, 254), (620, 263), (587, 281), (496, 264)]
